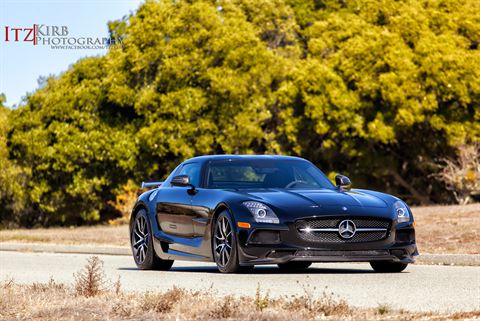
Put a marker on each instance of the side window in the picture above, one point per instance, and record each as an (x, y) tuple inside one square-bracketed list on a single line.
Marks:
[(193, 172)]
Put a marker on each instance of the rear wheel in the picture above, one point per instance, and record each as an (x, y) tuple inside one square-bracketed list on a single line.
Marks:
[(142, 245), (294, 266), (225, 244), (388, 266)]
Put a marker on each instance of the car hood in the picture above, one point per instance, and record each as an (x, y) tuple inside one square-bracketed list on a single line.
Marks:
[(314, 198)]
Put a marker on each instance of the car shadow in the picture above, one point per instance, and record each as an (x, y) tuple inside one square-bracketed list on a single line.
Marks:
[(264, 270)]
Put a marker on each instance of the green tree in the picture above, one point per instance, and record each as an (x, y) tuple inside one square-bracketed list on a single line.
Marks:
[(77, 144), (386, 88), (12, 177), (201, 76)]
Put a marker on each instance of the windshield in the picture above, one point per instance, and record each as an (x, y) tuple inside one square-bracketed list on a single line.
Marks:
[(265, 173)]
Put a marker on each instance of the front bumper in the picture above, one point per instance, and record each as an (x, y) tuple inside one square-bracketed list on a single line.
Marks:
[(282, 244)]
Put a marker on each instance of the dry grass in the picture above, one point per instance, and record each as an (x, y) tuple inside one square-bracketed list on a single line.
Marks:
[(94, 235), (91, 280), (440, 229), (448, 229), (54, 301)]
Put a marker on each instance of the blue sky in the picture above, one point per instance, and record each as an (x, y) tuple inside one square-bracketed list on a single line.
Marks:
[(21, 63)]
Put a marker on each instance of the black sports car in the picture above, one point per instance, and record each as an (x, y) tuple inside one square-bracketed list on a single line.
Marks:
[(243, 210)]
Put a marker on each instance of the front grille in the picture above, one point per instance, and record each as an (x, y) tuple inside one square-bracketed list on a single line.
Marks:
[(334, 237)]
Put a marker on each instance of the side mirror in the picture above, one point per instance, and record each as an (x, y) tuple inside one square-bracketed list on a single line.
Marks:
[(181, 180), (343, 182)]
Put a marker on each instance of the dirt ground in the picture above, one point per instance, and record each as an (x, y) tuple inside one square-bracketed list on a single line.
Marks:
[(101, 234), (439, 230), (448, 229)]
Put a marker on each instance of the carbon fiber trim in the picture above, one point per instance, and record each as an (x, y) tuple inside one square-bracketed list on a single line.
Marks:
[(342, 253)]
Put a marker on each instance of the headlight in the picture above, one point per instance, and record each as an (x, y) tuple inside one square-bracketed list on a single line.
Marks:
[(401, 211), (261, 212)]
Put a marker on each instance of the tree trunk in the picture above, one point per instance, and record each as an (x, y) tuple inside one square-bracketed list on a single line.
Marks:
[(423, 199)]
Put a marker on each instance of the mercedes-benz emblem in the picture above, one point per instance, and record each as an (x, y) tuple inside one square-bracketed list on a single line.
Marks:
[(346, 229)]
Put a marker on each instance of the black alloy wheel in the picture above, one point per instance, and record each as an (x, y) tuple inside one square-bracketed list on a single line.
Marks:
[(225, 245), (142, 245)]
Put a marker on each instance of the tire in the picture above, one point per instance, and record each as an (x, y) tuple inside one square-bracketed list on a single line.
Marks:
[(142, 244), (224, 244), (388, 266), (294, 266)]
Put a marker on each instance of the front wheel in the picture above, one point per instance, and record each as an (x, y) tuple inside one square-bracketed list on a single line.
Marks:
[(225, 244), (388, 266), (142, 245)]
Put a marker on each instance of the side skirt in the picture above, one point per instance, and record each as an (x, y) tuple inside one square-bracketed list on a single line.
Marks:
[(163, 251)]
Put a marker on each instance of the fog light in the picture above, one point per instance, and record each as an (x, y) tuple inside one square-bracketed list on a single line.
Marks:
[(265, 237), (405, 236), (398, 253)]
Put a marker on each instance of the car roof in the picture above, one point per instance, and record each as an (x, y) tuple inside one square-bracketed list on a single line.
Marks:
[(206, 158)]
